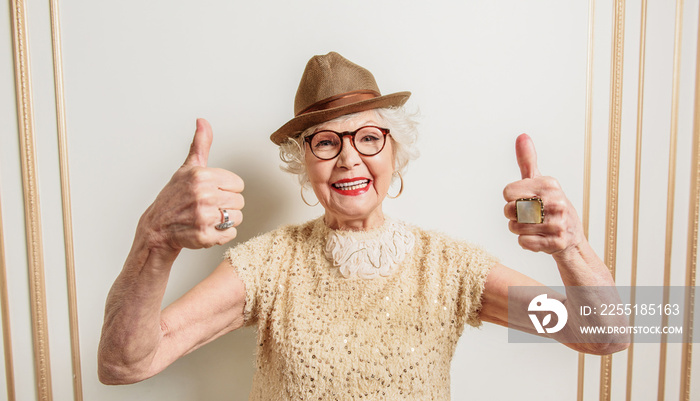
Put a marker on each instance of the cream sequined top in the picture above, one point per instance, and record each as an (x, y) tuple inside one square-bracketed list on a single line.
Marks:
[(322, 336)]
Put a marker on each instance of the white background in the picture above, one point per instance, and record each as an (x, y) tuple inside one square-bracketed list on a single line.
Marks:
[(138, 74)]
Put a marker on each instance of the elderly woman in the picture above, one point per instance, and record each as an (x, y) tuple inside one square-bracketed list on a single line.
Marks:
[(353, 303)]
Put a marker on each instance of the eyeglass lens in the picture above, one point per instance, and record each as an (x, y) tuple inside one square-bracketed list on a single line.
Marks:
[(367, 140)]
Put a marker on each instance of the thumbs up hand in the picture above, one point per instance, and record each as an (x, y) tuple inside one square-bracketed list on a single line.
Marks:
[(187, 210), (561, 229)]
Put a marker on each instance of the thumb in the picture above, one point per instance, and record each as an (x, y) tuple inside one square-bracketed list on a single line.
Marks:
[(199, 150), (527, 157)]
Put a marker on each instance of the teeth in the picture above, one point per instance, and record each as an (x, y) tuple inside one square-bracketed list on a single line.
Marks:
[(349, 186)]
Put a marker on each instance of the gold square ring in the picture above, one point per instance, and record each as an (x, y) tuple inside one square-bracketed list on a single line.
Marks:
[(529, 210)]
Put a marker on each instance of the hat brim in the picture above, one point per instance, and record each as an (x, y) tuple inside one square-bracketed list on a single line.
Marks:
[(298, 124)]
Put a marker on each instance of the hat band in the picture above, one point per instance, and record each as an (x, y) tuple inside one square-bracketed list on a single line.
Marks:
[(340, 100)]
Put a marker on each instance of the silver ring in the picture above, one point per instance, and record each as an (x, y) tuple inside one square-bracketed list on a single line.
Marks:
[(226, 224), (529, 210)]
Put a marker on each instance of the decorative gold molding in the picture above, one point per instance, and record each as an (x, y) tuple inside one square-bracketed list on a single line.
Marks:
[(5, 309), (589, 122), (587, 164), (614, 135), (65, 198), (618, 45), (670, 194), (35, 257), (580, 376), (637, 185), (692, 248)]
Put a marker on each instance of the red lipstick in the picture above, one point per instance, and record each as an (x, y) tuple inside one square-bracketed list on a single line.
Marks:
[(352, 186)]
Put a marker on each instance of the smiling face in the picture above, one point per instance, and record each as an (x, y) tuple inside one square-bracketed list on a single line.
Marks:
[(351, 187)]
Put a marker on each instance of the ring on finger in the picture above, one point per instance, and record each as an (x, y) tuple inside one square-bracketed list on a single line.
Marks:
[(226, 224), (529, 210)]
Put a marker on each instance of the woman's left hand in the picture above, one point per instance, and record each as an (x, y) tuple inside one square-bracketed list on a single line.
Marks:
[(561, 235), (561, 229)]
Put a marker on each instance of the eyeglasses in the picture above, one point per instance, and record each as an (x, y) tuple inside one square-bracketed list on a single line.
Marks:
[(368, 141)]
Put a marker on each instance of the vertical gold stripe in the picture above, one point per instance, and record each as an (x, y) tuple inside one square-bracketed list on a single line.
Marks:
[(35, 257), (66, 200), (589, 123), (580, 381), (587, 165), (5, 309), (613, 167), (637, 180), (670, 195), (692, 250)]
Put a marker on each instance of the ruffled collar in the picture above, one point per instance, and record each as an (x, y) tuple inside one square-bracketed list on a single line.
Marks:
[(369, 253)]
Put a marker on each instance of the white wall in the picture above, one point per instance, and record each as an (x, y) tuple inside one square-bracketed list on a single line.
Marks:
[(138, 74)]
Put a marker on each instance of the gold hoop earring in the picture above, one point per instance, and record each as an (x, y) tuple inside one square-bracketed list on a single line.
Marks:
[(400, 189), (302, 198)]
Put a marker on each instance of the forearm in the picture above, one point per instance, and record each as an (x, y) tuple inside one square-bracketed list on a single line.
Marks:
[(589, 283), (580, 266), (131, 331)]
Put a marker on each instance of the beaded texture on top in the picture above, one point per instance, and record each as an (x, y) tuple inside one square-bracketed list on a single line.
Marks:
[(369, 254), (321, 336)]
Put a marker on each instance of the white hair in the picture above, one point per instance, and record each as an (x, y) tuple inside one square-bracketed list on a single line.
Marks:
[(403, 131)]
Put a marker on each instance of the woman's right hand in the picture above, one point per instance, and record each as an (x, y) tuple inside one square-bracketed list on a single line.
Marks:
[(186, 211), (138, 340)]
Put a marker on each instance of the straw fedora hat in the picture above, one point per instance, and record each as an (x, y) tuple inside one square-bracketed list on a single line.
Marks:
[(333, 86)]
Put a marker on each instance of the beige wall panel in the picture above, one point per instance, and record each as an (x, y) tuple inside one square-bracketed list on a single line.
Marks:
[(135, 79), (655, 160), (44, 128), (51, 211)]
